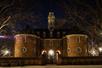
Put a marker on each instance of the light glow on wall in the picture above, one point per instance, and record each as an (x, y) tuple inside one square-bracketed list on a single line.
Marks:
[(51, 52)]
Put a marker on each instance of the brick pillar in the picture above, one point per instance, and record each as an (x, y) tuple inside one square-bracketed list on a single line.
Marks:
[(25, 45), (76, 45)]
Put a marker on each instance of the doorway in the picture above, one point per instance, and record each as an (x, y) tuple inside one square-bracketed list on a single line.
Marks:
[(51, 56)]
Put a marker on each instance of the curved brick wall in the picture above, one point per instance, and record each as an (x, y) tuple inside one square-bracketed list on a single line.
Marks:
[(25, 45), (77, 45)]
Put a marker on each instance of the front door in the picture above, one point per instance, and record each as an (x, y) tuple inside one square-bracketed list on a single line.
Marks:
[(51, 56)]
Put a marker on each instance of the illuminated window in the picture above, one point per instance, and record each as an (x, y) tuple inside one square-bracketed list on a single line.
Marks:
[(58, 51), (43, 52)]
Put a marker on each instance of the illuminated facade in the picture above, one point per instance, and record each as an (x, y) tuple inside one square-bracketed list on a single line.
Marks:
[(51, 43), (28, 45), (25, 45)]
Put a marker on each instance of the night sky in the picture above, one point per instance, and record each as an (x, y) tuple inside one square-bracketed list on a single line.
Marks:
[(36, 12), (74, 15)]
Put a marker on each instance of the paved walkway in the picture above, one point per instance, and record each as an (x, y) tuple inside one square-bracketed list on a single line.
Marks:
[(63, 66)]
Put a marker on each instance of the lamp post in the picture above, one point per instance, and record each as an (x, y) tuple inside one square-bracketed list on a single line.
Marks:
[(5, 52), (93, 51), (100, 50)]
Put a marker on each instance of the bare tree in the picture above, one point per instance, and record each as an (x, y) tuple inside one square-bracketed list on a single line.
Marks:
[(5, 5), (5, 23), (84, 16)]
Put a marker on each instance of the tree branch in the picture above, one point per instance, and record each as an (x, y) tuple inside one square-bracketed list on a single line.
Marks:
[(5, 6), (5, 22)]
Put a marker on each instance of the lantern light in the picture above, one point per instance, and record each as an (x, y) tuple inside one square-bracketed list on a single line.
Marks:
[(100, 49), (5, 52), (51, 52), (94, 52)]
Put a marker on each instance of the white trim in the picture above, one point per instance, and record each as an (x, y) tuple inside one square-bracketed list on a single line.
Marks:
[(68, 36), (26, 35)]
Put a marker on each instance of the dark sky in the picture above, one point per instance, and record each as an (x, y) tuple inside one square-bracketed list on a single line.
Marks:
[(70, 14), (33, 14), (39, 11)]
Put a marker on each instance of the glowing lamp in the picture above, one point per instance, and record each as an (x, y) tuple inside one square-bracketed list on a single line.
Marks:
[(5, 52), (51, 52), (100, 49), (94, 52)]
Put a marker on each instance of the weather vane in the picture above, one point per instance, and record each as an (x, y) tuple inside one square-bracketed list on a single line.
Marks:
[(51, 22)]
